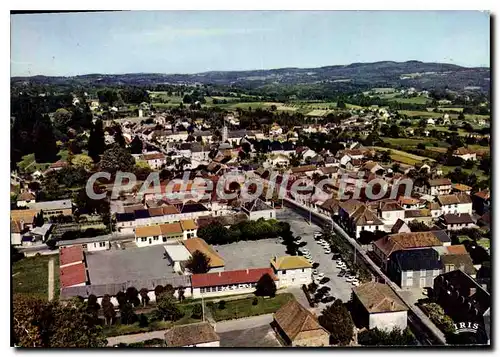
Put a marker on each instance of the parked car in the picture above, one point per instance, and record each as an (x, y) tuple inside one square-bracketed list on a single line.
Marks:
[(324, 280), (355, 283), (349, 278), (315, 272), (342, 273), (321, 275), (328, 299), (317, 235)]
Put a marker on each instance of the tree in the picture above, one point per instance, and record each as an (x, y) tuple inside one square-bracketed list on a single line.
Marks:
[(39, 323), (395, 337), (136, 145), (421, 146), (341, 104), (108, 309), (265, 286), (62, 119), (199, 263), (92, 305), (96, 144), (39, 220), (127, 314), (143, 320), (159, 289), (118, 136), (337, 320), (117, 159), (144, 296), (132, 296), (121, 298), (197, 312), (168, 308), (416, 226), (83, 161), (44, 142)]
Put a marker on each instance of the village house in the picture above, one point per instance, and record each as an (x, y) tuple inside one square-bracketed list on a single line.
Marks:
[(155, 160), (296, 326), (455, 204), (435, 187), (384, 247), (200, 334), (177, 255), (223, 283), (459, 221), (53, 208), (461, 297), (292, 270), (25, 198), (257, 209), (414, 268), (159, 234), (379, 307), (357, 217), (465, 154), (216, 263), (307, 170), (461, 188), (481, 201)]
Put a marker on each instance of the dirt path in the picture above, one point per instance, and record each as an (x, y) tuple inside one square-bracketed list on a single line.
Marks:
[(51, 279)]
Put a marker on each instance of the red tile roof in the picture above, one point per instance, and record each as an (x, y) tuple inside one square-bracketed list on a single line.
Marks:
[(68, 255), (72, 275), (230, 277)]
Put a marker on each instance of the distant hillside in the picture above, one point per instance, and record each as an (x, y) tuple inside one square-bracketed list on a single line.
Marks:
[(357, 75)]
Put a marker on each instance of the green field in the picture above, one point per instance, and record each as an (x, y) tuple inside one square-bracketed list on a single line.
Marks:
[(30, 276), (479, 173), (236, 309), (403, 157), (412, 100)]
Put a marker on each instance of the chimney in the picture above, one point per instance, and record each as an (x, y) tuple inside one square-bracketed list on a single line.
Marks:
[(247, 271)]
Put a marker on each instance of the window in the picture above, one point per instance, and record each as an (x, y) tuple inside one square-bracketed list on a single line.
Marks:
[(144, 239), (202, 290), (219, 288), (164, 239), (155, 237), (409, 274), (449, 267), (422, 272), (214, 288), (409, 281), (283, 272), (303, 269), (102, 244), (84, 246)]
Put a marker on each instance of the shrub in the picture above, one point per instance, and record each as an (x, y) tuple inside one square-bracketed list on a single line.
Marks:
[(143, 320), (222, 305), (197, 312), (255, 301)]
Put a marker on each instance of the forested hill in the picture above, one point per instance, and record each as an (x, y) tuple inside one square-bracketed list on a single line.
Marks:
[(354, 76)]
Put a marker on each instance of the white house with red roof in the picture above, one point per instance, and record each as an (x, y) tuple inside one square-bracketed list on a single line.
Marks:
[(228, 282)]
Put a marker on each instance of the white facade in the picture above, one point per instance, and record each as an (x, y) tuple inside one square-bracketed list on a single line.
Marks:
[(439, 190), (292, 277), (213, 291), (457, 208), (360, 229), (458, 226), (391, 217), (266, 214), (95, 246), (388, 320)]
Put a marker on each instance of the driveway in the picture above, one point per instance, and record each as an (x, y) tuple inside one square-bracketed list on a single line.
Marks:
[(301, 227)]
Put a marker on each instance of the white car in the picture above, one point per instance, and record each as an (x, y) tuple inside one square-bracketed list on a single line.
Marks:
[(350, 278), (355, 282), (317, 234), (321, 276), (340, 264), (315, 272)]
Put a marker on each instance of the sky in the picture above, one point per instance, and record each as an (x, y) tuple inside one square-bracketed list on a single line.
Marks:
[(199, 41)]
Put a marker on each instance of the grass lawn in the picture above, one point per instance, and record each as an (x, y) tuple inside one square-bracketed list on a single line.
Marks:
[(484, 242), (30, 276), (479, 173), (236, 309), (403, 157), (119, 329), (413, 100)]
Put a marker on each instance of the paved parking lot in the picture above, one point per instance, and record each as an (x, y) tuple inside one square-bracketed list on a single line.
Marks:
[(300, 226), (250, 254)]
